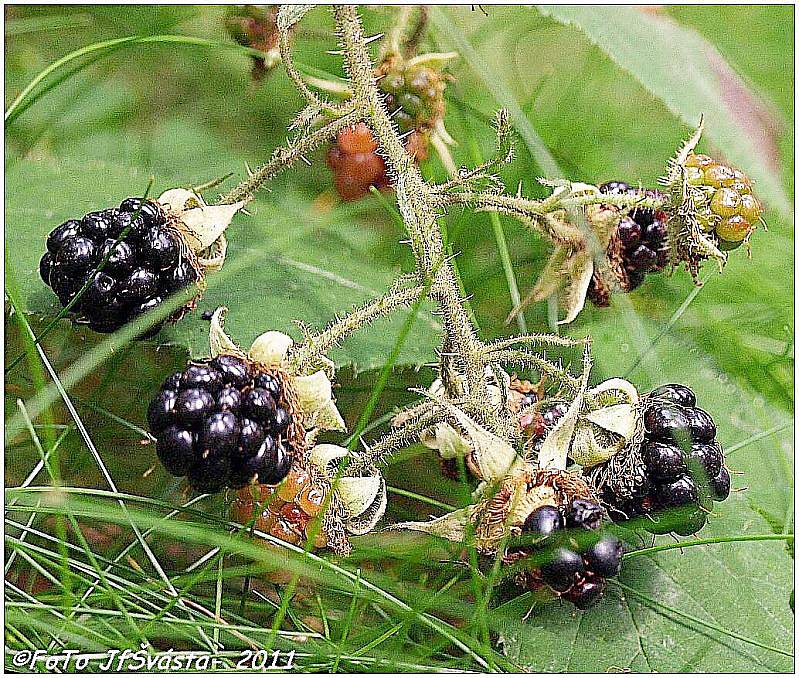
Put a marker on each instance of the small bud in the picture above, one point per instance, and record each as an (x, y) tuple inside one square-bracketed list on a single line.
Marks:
[(270, 348)]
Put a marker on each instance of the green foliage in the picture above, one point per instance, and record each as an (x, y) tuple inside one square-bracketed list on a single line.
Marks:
[(601, 93)]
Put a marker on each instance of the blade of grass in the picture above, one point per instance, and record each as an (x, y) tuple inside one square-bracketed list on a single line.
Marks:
[(710, 540), (498, 88)]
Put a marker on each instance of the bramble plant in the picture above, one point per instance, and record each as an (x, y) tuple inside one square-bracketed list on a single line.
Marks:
[(561, 470), (199, 426)]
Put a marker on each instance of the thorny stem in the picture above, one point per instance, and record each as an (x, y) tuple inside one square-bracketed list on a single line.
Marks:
[(286, 156), (539, 214), (420, 204), (417, 206), (340, 328)]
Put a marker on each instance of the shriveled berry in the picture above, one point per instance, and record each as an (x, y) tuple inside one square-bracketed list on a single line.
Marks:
[(175, 449), (563, 569), (720, 485), (675, 393), (585, 514), (161, 412), (543, 522), (604, 557), (193, 405), (67, 231), (234, 370)]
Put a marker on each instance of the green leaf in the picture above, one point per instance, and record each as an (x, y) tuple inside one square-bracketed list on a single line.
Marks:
[(295, 265), (691, 78)]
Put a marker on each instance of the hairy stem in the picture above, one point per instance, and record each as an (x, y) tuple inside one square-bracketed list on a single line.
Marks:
[(417, 205), (285, 156), (338, 330)]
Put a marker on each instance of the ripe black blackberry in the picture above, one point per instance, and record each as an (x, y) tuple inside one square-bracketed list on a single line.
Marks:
[(638, 246), (224, 423), (573, 558), (682, 464), (129, 259)]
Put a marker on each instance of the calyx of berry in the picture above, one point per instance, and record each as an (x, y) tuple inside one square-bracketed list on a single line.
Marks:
[(490, 456), (498, 510), (202, 226), (314, 391), (571, 265), (363, 496)]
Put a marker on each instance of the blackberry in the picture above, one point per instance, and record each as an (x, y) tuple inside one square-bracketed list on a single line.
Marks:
[(128, 258), (543, 522), (215, 424), (562, 569), (639, 244), (573, 564), (681, 462)]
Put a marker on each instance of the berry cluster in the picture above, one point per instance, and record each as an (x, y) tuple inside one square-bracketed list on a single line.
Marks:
[(683, 465), (290, 511), (357, 166), (642, 235), (222, 423), (734, 211), (576, 559), (128, 258), (414, 95)]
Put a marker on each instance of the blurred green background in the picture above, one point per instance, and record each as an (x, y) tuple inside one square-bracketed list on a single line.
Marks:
[(590, 101)]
